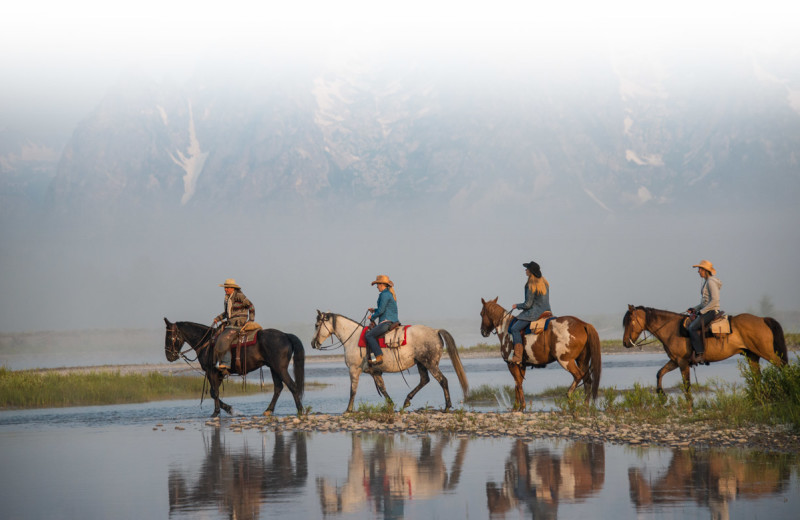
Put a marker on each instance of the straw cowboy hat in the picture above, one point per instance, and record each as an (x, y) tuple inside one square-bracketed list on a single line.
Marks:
[(708, 266), (382, 278), (230, 282)]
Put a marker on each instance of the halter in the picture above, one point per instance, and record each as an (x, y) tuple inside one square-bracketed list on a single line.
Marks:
[(176, 335), (645, 332), (332, 333)]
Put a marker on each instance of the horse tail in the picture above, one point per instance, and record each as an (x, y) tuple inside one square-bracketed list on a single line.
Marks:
[(452, 351), (778, 340), (299, 364), (594, 362)]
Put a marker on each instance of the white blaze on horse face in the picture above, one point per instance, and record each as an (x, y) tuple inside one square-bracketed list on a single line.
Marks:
[(562, 336)]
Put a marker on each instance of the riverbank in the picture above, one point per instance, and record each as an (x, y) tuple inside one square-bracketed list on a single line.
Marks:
[(599, 427)]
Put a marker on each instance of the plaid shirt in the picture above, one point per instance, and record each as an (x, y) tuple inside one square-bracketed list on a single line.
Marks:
[(238, 309)]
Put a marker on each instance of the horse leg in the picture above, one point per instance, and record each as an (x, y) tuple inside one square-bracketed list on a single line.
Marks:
[(355, 373), (572, 367), (214, 381), (378, 378), (277, 388), (753, 360), (669, 367), (423, 380), (437, 374), (518, 373)]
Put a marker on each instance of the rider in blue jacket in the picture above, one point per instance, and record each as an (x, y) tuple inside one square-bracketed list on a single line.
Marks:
[(385, 314)]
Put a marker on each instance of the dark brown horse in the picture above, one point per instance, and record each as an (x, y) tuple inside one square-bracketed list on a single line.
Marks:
[(273, 349), (752, 336), (568, 340)]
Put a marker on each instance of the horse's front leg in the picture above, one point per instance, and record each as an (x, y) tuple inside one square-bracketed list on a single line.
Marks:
[(669, 367), (355, 374), (213, 384), (518, 373)]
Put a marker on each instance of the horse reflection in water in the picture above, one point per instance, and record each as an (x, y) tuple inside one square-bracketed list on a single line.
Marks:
[(240, 482), (384, 472), (540, 478), (710, 479)]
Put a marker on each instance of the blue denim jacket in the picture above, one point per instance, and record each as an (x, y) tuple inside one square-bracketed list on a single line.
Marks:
[(386, 309), (535, 304)]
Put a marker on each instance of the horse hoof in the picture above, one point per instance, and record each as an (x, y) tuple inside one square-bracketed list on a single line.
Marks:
[(267, 413)]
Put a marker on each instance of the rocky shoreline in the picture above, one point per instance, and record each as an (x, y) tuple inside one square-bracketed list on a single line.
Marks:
[(598, 428)]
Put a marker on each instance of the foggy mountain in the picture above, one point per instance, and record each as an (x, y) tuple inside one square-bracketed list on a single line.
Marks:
[(615, 171), (601, 131)]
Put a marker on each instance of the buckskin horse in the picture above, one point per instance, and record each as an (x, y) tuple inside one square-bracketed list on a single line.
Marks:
[(752, 336), (273, 349), (423, 347), (572, 342)]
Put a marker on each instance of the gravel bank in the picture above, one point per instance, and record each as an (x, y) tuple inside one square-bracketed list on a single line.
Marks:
[(530, 425)]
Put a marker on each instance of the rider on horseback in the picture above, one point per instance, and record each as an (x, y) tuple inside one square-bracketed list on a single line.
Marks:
[(385, 313), (537, 301), (706, 310), (238, 311)]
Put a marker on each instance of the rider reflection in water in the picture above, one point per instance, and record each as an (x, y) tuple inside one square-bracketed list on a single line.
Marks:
[(385, 313)]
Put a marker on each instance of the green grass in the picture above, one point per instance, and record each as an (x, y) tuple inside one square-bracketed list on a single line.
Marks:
[(29, 389), (376, 412)]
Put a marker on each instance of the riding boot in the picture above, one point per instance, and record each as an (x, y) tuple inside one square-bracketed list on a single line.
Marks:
[(225, 363), (517, 359), (698, 358)]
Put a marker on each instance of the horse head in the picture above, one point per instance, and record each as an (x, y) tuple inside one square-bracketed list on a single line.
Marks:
[(323, 328), (634, 321), (488, 323), (172, 341)]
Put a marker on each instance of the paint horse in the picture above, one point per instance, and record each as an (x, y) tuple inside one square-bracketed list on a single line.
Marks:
[(752, 336), (572, 342), (273, 349), (424, 348)]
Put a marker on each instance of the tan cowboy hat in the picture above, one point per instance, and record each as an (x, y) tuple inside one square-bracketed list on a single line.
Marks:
[(708, 266), (230, 282), (382, 278)]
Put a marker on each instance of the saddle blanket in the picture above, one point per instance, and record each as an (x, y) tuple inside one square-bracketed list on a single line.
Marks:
[(721, 325), (245, 338), (393, 335)]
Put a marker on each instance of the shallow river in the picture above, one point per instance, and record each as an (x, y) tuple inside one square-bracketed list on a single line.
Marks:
[(161, 460)]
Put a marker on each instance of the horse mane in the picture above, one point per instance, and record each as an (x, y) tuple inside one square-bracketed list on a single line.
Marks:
[(193, 325), (650, 314), (494, 308)]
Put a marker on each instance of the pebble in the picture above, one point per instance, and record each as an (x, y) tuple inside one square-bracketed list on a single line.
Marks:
[(531, 425)]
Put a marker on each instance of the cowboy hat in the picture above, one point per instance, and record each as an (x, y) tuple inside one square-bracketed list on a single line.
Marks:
[(382, 278), (230, 282), (708, 266)]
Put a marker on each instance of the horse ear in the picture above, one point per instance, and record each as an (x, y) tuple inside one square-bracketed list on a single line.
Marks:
[(483, 301), (630, 307), (495, 299), (167, 321)]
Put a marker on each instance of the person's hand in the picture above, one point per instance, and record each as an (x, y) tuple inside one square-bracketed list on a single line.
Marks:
[(371, 310), (514, 306)]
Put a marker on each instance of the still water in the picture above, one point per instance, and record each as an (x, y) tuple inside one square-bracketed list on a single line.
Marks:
[(161, 460)]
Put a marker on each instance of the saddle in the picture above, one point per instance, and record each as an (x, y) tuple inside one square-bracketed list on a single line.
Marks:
[(538, 326), (719, 327), (391, 339), (247, 335)]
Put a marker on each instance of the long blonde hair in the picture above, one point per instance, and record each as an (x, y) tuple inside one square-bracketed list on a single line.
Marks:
[(538, 285)]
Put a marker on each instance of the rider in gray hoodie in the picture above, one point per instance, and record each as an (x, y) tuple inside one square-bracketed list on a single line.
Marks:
[(706, 310)]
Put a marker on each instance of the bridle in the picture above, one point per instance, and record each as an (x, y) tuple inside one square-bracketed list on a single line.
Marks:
[(176, 339), (332, 332), (648, 336)]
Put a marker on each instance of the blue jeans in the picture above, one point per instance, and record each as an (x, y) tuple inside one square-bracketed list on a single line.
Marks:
[(695, 329), (371, 337), (516, 329)]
